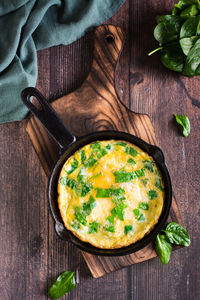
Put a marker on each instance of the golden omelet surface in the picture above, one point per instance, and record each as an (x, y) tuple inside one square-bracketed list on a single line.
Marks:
[(110, 194)]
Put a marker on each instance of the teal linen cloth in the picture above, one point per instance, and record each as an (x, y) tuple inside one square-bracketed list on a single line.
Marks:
[(30, 25)]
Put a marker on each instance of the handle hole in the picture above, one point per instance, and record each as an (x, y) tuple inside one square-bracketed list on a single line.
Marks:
[(36, 103), (109, 38)]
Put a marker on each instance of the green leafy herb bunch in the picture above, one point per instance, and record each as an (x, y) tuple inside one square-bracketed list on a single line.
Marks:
[(179, 37)]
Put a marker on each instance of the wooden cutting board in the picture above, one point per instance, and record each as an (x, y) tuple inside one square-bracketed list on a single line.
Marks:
[(96, 106)]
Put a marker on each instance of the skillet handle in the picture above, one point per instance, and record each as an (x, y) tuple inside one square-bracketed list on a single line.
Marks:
[(48, 117)]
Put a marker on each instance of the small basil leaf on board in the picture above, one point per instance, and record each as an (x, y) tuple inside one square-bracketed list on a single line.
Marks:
[(163, 248), (173, 58), (184, 122), (176, 234), (193, 61), (187, 43), (63, 284)]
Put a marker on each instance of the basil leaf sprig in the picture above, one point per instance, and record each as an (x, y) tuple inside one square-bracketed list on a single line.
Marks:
[(178, 35), (173, 234), (63, 284), (184, 122)]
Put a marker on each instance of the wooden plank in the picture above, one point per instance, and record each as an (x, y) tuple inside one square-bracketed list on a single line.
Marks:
[(95, 106)]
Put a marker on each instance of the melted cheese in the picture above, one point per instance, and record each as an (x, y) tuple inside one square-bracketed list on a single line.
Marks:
[(102, 175)]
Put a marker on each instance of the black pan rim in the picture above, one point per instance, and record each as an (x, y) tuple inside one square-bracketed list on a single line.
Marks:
[(152, 150)]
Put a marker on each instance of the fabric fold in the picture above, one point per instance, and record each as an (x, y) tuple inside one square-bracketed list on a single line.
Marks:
[(28, 26)]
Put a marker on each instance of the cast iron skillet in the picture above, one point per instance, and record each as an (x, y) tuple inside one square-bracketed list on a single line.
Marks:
[(68, 145)]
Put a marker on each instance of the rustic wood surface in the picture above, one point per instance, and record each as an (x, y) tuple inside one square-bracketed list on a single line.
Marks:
[(31, 256), (92, 107)]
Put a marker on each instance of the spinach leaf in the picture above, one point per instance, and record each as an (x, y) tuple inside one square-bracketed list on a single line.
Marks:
[(74, 166), (184, 122), (189, 27), (131, 161), (108, 147), (93, 227), (173, 58), (158, 184), (190, 11), (163, 248), (168, 30), (139, 215), (144, 205), (123, 176), (70, 182), (193, 61), (176, 234), (188, 43), (128, 228), (63, 284), (152, 194)]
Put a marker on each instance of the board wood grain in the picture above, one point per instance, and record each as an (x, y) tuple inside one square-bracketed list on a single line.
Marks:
[(93, 107)]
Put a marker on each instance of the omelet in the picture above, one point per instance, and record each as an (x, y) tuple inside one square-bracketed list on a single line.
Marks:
[(110, 194)]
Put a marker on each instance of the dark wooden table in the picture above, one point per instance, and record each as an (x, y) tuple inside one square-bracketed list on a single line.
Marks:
[(31, 255)]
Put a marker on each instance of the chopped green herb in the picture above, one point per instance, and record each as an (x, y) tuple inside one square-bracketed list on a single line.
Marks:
[(158, 172), (108, 146), (96, 176), (148, 164), (118, 211), (70, 182), (132, 151), (74, 166), (93, 227), (131, 161), (152, 194), (110, 228), (88, 206), (106, 193), (82, 212), (80, 216), (123, 176), (144, 205), (145, 181), (96, 146), (85, 189), (91, 161), (139, 215), (97, 150), (80, 176), (75, 225), (83, 156), (122, 144), (158, 184), (128, 228)]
